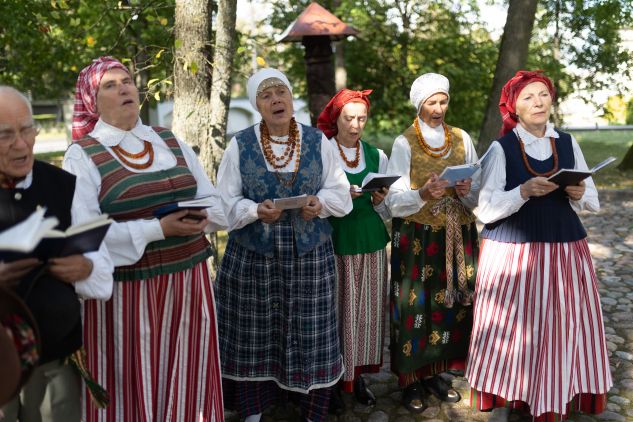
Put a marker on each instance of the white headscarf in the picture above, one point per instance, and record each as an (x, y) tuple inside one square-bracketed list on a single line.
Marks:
[(260, 76), (427, 85)]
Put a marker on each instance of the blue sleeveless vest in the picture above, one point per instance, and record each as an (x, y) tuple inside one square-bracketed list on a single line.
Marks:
[(548, 218), (259, 184)]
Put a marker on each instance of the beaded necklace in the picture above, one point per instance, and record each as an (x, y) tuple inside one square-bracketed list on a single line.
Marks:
[(355, 161), (293, 147), (434, 152), (123, 155), (527, 163)]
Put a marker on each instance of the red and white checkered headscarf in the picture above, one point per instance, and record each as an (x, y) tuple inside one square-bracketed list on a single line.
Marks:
[(85, 114)]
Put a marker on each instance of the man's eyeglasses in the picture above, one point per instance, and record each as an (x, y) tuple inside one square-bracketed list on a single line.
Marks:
[(9, 136)]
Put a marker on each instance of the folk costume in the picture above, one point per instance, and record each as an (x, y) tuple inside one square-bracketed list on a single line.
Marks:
[(153, 345), (276, 283), (434, 248), (53, 392), (538, 339), (359, 240)]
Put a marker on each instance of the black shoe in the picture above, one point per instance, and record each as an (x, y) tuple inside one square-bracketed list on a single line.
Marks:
[(441, 389), (363, 394), (414, 398), (337, 405)]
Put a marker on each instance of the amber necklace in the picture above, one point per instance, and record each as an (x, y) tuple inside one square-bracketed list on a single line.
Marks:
[(293, 147), (123, 155), (351, 164), (434, 152), (527, 163)]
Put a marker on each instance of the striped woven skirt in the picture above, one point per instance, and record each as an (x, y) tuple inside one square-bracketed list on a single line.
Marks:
[(154, 347), (362, 296), (538, 336), (277, 315)]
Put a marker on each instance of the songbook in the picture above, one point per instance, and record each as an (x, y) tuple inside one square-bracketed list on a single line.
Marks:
[(191, 204), (21, 242), (26, 235), (454, 174), (291, 202), (375, 182), (571, 177)]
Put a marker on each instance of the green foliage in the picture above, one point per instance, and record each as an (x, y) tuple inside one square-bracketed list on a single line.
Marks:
[(46, 43), (398, 41), (629, 112)]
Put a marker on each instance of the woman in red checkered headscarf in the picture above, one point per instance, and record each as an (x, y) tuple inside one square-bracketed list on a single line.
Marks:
[(153, 345), (538, 339)]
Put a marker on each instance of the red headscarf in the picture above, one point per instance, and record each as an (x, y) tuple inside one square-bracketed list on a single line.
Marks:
[(511, 91), (85, 114), (327, 119)]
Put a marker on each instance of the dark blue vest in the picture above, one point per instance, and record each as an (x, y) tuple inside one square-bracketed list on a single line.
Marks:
[(548, 218), (259, 184)]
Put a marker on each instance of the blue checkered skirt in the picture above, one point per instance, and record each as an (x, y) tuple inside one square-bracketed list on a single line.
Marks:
[(277, 316)]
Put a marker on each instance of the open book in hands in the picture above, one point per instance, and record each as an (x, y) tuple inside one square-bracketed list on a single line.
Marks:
[(291, 202), (36, 237), (375, 182), (571, 177), (454, 174)]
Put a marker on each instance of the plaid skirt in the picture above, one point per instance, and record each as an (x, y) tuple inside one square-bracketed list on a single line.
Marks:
[(277, 315)]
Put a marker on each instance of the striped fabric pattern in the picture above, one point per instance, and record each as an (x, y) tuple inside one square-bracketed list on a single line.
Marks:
[(538, 335), (126, 195), (153, 346), (362, 296)]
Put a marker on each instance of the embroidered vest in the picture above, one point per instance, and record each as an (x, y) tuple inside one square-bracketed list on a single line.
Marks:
[(53, 303), (549, 218), (422, 165), (259, 184), (126, 196), (362, 230)]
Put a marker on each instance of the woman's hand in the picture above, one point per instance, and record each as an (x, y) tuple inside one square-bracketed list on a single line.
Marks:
[(184, 223), (12, 272), (537, 186), (267, 212), (353, 193), (378, 196), (70, 269), (576, 192), (434, 188), (312, 209), (462, 187)]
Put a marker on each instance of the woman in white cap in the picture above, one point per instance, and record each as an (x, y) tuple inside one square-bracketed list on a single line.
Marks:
[(276, 283), (434, 248)]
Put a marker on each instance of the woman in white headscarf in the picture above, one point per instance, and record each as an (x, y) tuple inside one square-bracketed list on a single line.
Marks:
[(276, 283), (434, 248)]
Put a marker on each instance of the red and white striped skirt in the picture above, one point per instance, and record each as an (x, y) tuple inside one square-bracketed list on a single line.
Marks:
[(362, 295), (538, 335), (154, 347)]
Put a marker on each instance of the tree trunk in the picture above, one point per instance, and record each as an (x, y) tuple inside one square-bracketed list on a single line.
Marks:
[(340, 71), (513, 54), (192, 72), (627, 161), (211, 153)]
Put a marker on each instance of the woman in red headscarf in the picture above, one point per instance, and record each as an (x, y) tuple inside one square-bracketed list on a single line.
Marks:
[(153, 345), (538, 339), (359, 241)]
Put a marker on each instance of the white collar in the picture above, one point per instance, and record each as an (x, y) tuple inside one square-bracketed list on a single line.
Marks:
[(426, 128), (26, 182), (110, 136), (528, 138)]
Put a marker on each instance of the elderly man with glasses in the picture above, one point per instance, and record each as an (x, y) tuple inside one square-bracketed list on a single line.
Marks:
[(50, 289)]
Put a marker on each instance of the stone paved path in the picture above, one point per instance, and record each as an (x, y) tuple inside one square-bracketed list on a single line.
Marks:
[(611, 243)]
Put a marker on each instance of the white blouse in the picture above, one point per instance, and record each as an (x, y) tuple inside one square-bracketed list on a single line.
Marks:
[(126, 241), (350, 155), (495, 203), (401, 200), (98, 285), (333, 195)]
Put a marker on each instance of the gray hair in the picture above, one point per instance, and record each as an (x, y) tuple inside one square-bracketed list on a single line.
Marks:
[(6, 89)]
